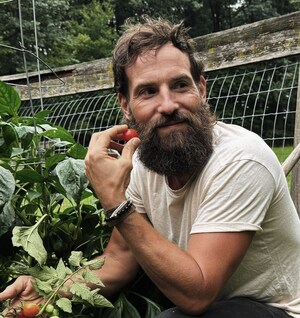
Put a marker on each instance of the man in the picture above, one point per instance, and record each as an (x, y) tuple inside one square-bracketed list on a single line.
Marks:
[(203, 207)]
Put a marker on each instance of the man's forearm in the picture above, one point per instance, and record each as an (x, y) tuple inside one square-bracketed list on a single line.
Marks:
[(173, 270)]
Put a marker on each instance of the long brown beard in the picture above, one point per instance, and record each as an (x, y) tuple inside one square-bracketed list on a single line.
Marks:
[(180, 152)]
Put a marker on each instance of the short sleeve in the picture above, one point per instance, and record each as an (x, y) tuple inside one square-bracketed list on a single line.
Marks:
[(236, 198)]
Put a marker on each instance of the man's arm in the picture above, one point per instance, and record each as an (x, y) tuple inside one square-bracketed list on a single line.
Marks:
[(120, 266), (191, 279)]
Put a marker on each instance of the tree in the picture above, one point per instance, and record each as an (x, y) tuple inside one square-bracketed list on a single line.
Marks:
[(51, 28), (72, 31), (66, 34), (94, 31)]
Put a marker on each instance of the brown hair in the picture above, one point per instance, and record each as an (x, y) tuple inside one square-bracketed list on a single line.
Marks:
[(150, 34)]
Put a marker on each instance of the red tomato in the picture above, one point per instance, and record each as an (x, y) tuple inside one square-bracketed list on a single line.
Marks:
[(30, 309), (129, 134), (20, 315)]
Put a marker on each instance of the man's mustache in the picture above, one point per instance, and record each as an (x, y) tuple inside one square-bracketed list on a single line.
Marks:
[(170, 119)]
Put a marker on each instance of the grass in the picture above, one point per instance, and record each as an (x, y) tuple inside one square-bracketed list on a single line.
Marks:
[(282, 153)]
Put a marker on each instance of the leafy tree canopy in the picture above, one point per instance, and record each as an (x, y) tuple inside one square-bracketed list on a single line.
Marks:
[(73, 31)]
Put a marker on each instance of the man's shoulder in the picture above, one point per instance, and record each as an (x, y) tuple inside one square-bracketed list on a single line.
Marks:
[(234, 144), (233, 137)]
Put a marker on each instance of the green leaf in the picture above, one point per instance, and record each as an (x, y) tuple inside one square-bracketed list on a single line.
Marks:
[(82, 291), (32, 195), (7, 212), (7, 218), (43, 287), (53, 160), (28, 175), (75, 258), (92, 277), (45, 273), (9, 100), (43, 113), (77, 151), (46, 127), (117, 311), (71, 175), (62, 270), (95, 263), (7, 186), (5, 150), (9, 134), (153, 309), (129, 311), (60, 133), (29, 239), (65, 304), (17, 152), (26, 134), (100, 301)]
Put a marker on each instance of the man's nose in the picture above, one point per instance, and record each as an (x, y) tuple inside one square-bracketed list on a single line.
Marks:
[(167, 102)]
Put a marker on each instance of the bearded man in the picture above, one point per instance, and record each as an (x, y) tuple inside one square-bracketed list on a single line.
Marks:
[(201, 206)]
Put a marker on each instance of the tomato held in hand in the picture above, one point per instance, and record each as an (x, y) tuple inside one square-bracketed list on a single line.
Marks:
[(129, 134), (30, 309)]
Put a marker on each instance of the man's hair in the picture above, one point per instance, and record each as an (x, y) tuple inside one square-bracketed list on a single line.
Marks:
[(150, 34)]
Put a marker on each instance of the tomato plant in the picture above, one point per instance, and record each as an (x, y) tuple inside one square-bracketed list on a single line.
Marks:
[(30, 309), (48, 211), (129, 134)]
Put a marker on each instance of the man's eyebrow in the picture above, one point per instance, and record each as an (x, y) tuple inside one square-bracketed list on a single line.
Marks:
[(154, 83), (181, 77)]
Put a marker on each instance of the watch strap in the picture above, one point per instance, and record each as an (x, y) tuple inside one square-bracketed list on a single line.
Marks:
[(119, 213)]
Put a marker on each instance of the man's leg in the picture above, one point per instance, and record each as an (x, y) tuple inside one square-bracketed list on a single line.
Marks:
[(239, 307)]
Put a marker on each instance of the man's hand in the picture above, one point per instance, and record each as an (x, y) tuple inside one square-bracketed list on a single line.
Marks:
[(108, 175), (19, 292)]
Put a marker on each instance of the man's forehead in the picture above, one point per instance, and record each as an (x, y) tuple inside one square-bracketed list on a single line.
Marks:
[(167, 52)]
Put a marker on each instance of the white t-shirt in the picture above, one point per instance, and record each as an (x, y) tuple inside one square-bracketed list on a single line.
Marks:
[(242, 188)]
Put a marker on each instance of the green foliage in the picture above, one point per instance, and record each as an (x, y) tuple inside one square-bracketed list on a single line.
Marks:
[(94, 31), (51, 225), (52, 28), (72, 31), (49, 281), (37, 179)]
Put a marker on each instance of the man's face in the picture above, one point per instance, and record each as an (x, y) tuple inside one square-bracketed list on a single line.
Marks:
[(168, 109)]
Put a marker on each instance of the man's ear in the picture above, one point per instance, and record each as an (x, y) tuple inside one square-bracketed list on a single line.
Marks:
[(124, 105), (202, 88)]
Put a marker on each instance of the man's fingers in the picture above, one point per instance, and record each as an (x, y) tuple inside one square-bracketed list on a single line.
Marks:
[(10, 292), (130, 148), (106, 136), (117, 146)]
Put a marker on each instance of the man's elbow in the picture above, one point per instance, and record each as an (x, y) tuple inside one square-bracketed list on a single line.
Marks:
[(195, 306)]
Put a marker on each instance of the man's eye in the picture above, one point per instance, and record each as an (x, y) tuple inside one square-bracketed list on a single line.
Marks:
[(180, 85), (147, 91)]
